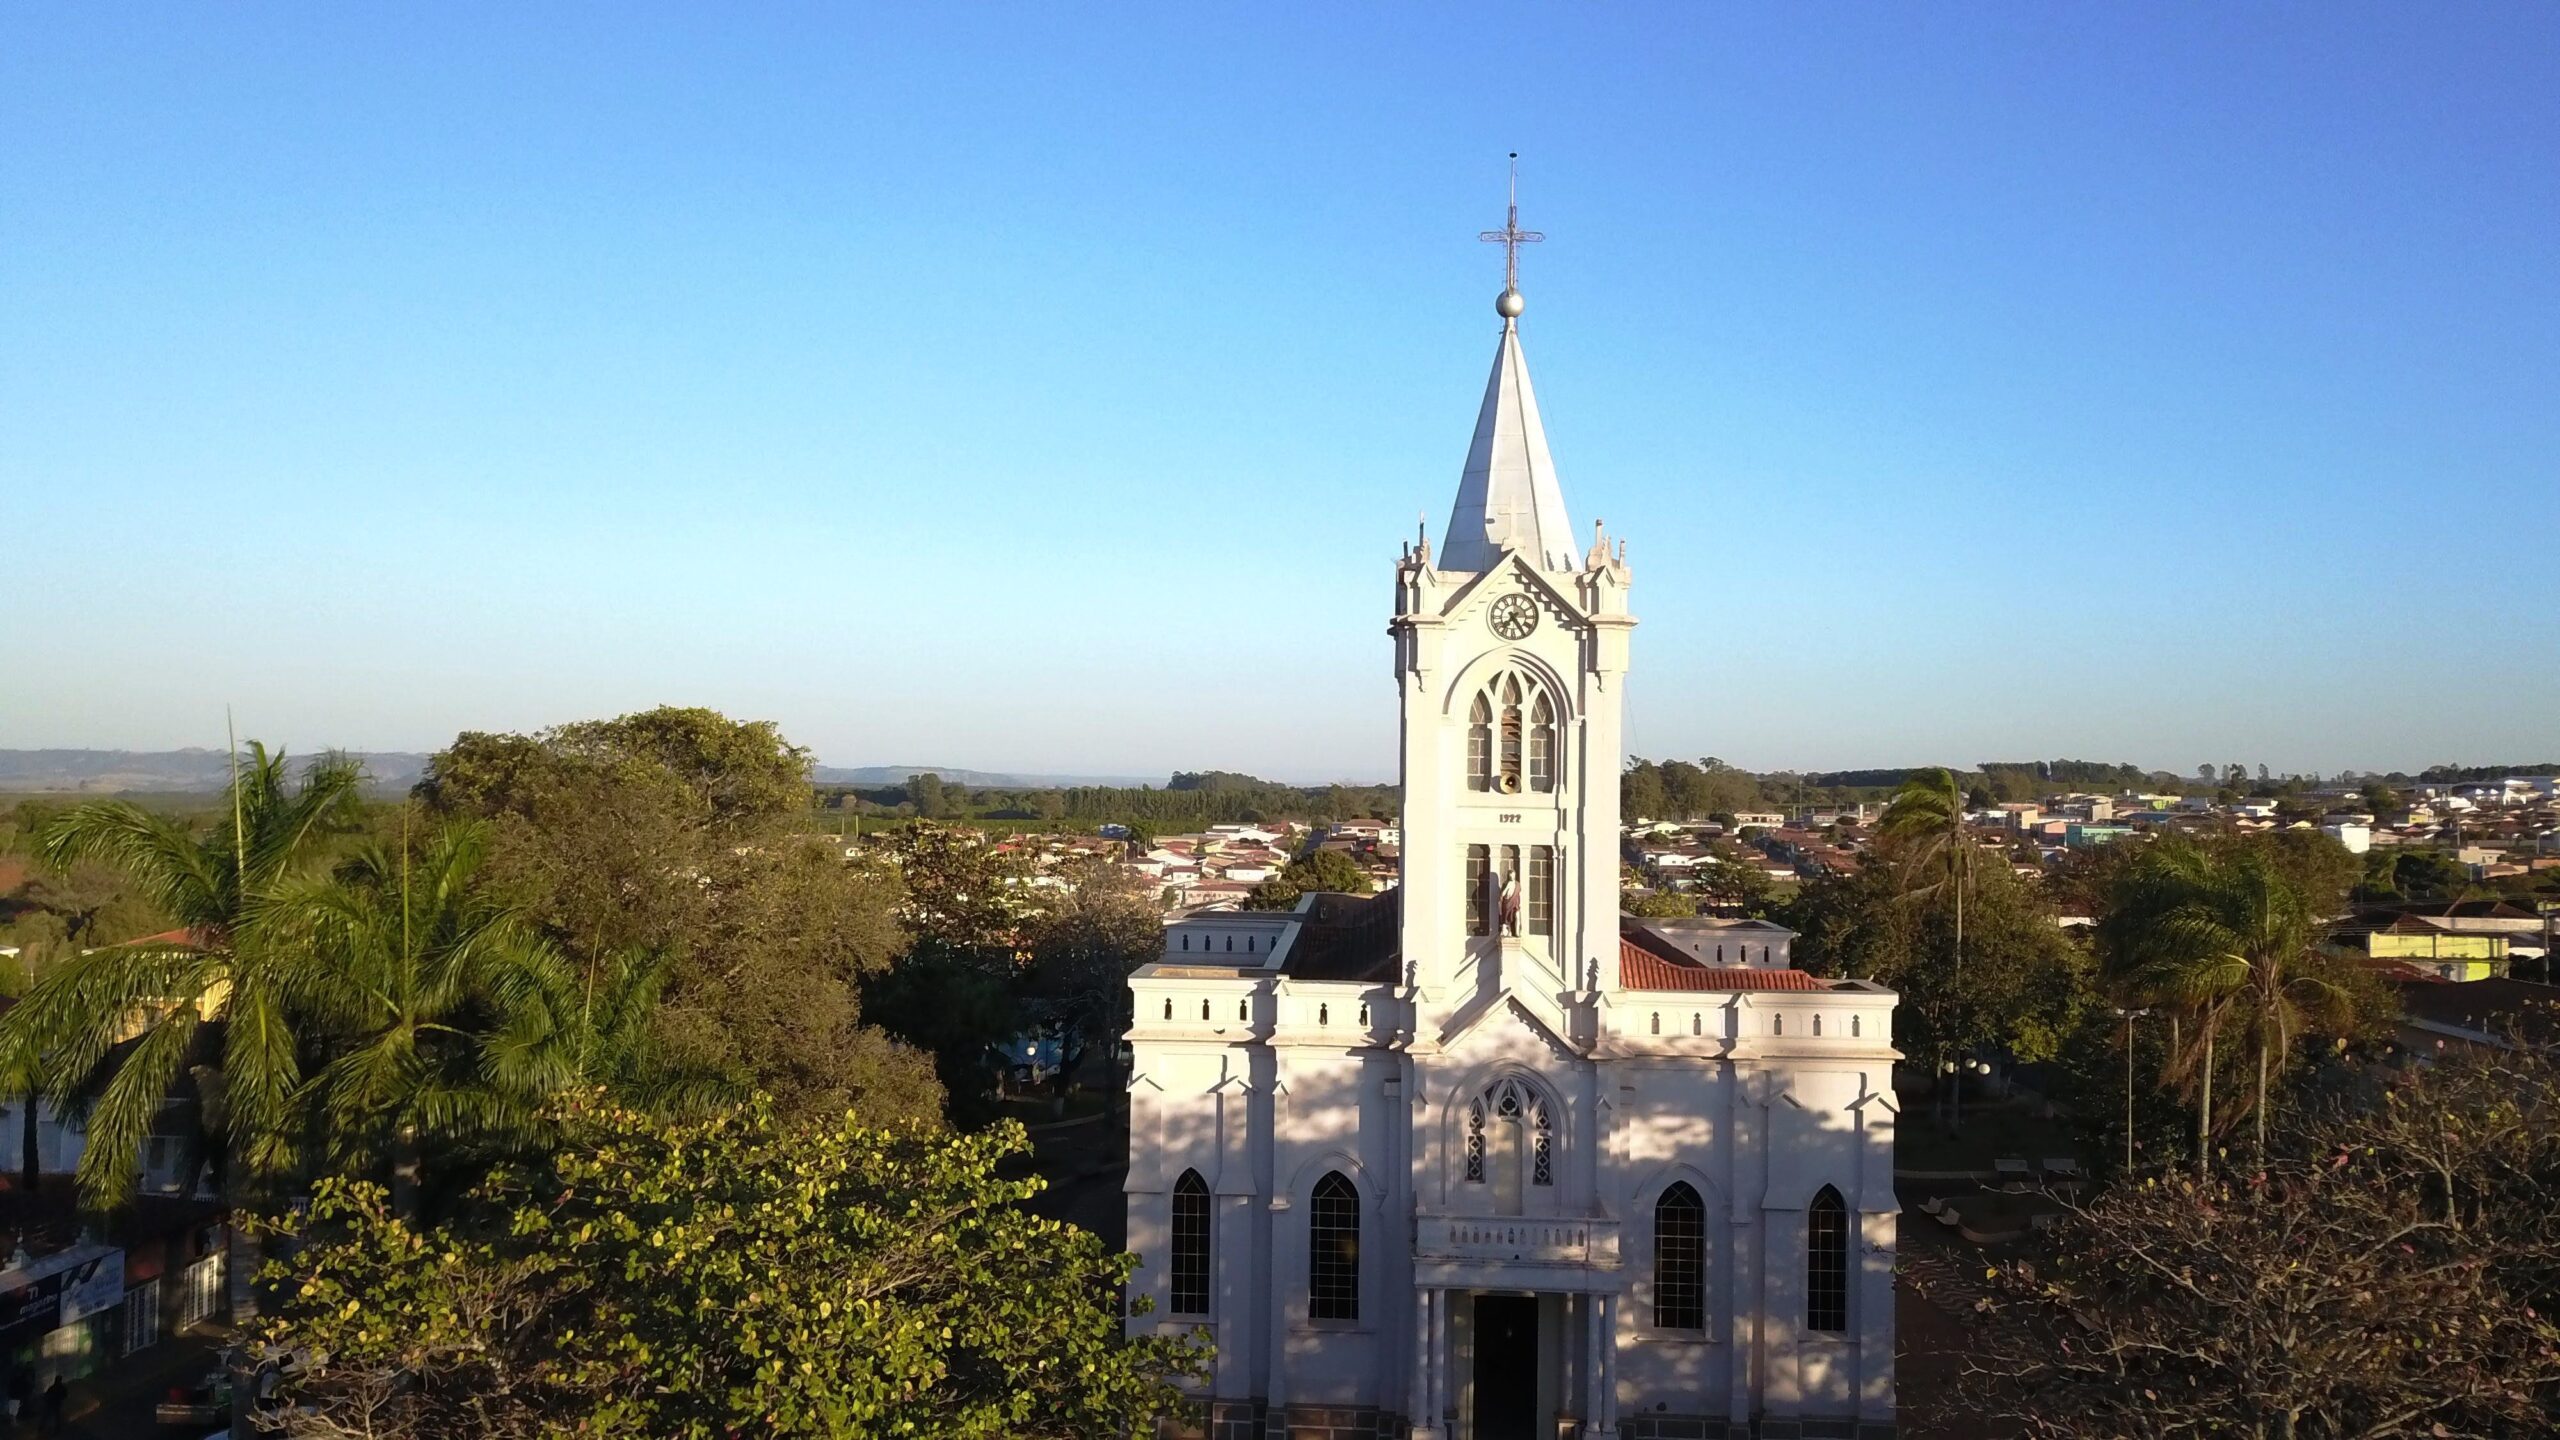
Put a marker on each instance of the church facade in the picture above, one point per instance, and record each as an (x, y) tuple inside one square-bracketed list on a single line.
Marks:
[(1479, 1158)]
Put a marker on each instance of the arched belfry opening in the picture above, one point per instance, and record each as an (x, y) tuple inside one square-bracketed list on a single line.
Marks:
[(1512, 740)]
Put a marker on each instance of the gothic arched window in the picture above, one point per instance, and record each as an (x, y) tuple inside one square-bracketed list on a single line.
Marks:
[(1680, 1259), (1333, 1249), (1510, 1129), (1826, 1263), (1190, 1245)]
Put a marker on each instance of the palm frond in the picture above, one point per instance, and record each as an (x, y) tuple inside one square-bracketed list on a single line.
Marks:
[(159, 856), (129, 1107)]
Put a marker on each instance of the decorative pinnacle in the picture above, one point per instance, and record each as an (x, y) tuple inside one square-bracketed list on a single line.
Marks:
[(1511, 237)]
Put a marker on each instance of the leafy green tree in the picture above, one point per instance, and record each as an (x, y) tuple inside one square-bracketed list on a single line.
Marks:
[(1640, 793), (925, 790), (2412, 873), (674, 834), (1323, 871), (2315, 867), (721, 1277), (733, 776), (961, 892), (950, 1005), (1737, 883), (1658, 904), (2024, 989), (1102, 925)]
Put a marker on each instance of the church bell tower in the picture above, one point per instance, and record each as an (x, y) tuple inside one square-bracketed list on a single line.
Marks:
[(1511, 662)]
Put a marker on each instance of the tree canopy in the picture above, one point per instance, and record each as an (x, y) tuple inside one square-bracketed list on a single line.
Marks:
[(2389, 1272), (1322, 871), (718, 1277), (672, 832)]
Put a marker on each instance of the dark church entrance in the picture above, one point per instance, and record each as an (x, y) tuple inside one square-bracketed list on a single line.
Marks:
[(1506, 1340)]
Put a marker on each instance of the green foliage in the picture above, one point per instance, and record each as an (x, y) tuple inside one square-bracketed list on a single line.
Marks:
[(671, 833), (2222, 935), (2412, 873), (220, 885), (961, 891), (950, 1004), (1190, 801), (435, 1005), (1736, 884), (1100, 925), (1679, 790), (1657, 904), (1323, 871), (733, 776), (716, 1278), (925, 793), (2022, 987)]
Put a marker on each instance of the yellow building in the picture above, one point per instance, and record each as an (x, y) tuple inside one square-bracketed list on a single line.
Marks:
[(2432, 946)]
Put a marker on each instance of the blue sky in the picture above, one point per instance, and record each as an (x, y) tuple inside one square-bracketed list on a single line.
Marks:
[(1048, 388)]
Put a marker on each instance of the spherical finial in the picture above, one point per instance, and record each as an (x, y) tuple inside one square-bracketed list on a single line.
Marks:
[(1508, 305)]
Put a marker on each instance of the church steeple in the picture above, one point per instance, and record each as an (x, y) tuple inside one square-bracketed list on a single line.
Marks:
[(1508, 496)]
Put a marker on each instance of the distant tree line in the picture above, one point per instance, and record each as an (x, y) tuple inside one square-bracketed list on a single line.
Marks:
[(1188, 801)]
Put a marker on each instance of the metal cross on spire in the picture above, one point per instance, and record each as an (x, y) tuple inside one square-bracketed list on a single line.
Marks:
[(1511, 237)]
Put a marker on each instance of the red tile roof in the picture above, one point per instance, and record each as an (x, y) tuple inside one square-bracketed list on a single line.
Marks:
[(181, 938), (1641, 969)]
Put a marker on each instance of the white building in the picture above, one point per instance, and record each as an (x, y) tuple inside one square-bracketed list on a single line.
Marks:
[(1478, 1159)]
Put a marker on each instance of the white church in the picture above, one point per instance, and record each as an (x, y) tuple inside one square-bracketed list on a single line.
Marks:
[(1480, 1158)]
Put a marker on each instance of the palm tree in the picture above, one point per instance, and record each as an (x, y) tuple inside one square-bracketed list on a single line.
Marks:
[(148, 1000), (2222, 935), (431, 996), (1924, 830)]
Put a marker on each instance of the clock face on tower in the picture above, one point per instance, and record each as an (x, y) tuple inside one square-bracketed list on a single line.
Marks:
[(1513, 617)]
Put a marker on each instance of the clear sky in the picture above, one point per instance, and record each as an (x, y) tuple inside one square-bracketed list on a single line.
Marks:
[(1048, 387)]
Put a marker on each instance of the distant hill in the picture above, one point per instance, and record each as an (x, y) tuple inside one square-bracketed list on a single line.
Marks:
[(989, 779), (109, 772)]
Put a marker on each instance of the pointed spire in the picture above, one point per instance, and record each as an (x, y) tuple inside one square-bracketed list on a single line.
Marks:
[(1508, 494)]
